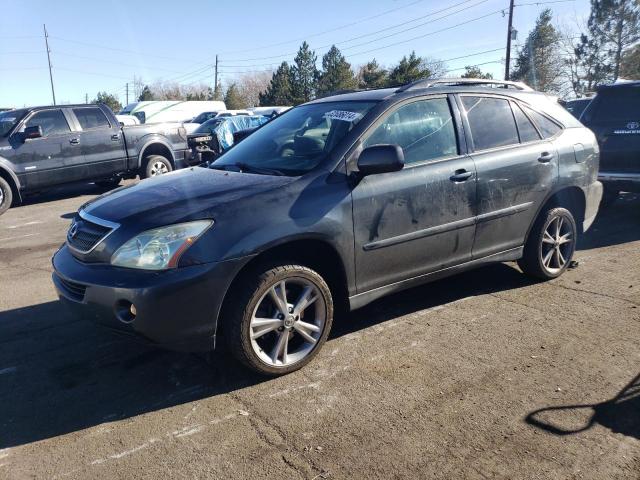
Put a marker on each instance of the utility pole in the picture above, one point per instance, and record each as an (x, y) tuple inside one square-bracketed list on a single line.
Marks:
[(127, 93), (215, 85), (46, 42), (507, 66), (86, 98)]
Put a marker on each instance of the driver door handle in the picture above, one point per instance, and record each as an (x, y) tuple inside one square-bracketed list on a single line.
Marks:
[(115, 137), (545, 157), (74, 141), (461, 175)]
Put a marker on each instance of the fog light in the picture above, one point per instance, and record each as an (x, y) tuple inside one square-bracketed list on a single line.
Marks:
[(133, 310), (125, 311)]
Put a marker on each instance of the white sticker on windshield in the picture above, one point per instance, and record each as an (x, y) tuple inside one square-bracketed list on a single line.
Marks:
[(343, 115)]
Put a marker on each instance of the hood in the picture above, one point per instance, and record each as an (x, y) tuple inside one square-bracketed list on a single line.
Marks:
[(180, 196)]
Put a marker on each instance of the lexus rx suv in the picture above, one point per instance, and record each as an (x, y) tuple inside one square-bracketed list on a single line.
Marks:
[(332, 205)]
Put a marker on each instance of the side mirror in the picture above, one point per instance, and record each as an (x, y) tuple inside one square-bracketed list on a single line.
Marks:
[(380, 159), (34, 131)]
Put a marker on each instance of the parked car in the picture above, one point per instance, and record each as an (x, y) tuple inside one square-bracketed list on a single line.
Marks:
[(614, 116), (268, 111), (332, 205), (125, 120), (194, 123), (41, 147), (155, 111), (577, 106), (217, 135)]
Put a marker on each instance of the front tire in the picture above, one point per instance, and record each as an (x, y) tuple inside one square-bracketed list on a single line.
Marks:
[(154, 166), (6, 195), (551, 244), (278, 319)]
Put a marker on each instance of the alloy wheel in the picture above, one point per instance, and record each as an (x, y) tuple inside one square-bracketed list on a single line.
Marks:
[(158, 168), (556, 248), (287, 322)]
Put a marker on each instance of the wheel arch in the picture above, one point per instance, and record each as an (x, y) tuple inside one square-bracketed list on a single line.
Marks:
[(570, 197), (315, 253), (12, 180), (156, 147)]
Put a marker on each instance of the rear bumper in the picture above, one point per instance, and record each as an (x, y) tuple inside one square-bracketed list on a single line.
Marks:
[(176, 309), (621, 181), (593, 196)]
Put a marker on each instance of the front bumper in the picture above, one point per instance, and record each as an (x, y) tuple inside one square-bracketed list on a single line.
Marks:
[(176, 309)]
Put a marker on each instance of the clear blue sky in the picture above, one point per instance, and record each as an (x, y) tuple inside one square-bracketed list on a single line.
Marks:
[(99, 46)]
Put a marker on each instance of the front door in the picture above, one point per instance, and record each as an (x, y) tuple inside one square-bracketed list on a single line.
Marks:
[(419, 219), (52, 159)]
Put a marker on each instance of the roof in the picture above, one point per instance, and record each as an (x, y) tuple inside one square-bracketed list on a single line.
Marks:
[(622, 84)]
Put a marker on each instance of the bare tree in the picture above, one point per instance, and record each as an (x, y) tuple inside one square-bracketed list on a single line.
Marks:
[(251, 85)]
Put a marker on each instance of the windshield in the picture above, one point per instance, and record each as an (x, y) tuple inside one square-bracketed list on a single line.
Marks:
[(203, 117), (9, 119), (209, 126), (297, 141)]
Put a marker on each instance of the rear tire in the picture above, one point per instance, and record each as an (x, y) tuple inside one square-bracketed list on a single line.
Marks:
[(154, 166), (6, 195), (551, 244), (266, 339)]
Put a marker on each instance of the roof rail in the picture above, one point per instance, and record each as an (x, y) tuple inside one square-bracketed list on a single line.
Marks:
[(458, 82)]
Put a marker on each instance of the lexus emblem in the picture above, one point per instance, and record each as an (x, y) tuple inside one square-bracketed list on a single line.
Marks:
[(73, 231), (633, 125)]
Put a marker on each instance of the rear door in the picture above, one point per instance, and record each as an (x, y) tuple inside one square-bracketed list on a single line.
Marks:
[(421, 218), (102, 143), (614, 116), (516, 170), (54, 158)]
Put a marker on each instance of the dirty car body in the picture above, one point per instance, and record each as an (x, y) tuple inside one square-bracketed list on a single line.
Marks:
[(458, 199)]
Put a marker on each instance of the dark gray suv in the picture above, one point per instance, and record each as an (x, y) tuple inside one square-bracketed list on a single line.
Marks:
[(332, 205)]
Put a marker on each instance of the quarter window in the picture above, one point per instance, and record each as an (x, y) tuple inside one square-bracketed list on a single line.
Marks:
[(91, 117), (527, 131), (52, 122), (547, 127), (491, 121), (423, 129)]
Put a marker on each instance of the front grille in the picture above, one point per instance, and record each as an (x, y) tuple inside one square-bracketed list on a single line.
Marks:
[(84, 235), (72, 290)]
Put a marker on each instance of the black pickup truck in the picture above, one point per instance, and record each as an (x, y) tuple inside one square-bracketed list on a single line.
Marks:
[(41, 147)]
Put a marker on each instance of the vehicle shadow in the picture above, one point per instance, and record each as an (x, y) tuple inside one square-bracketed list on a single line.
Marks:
[(621, 414), (60, 374), (616, 224)]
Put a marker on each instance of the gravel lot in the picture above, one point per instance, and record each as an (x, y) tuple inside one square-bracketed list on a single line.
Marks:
[(459, 379)]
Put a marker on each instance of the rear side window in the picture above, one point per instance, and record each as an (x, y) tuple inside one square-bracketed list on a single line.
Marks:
[(547, 128), (617, 104), (91, 117), (52, 122), (491, 121), (527, 131), (423, 129)]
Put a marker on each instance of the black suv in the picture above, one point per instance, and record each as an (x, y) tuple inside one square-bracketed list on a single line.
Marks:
[(334, 204), (614, 116)]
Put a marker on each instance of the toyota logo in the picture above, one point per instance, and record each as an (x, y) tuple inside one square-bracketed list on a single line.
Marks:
[(73, 231), (633, 125)]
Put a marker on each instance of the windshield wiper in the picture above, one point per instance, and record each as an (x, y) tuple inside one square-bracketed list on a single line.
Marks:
[(245, 167)]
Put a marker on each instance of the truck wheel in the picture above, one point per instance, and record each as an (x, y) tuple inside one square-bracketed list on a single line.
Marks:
[(551, 244), (6, 195), (155, 165), (278, 320)]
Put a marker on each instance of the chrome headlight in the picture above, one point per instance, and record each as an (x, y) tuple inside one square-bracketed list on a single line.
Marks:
[(160, 248)]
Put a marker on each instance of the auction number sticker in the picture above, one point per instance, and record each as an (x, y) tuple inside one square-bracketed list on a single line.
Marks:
[(343, 115)]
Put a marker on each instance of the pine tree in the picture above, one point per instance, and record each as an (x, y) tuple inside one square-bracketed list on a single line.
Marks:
[(279, 91), (539, 63), (614, 26), (109, 100), (409, 69), (336, 73), (305, 75), (472, 71), (146, 94), (232, 98), (372, 75), (630, 67)]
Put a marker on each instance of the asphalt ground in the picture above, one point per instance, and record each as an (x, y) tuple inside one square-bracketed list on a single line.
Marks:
[(483, 375)]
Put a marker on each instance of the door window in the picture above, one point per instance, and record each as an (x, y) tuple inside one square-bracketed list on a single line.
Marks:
[(491, 122), (527, 131), (91, 117), (52, 122), (423, 129), (547, 128)]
